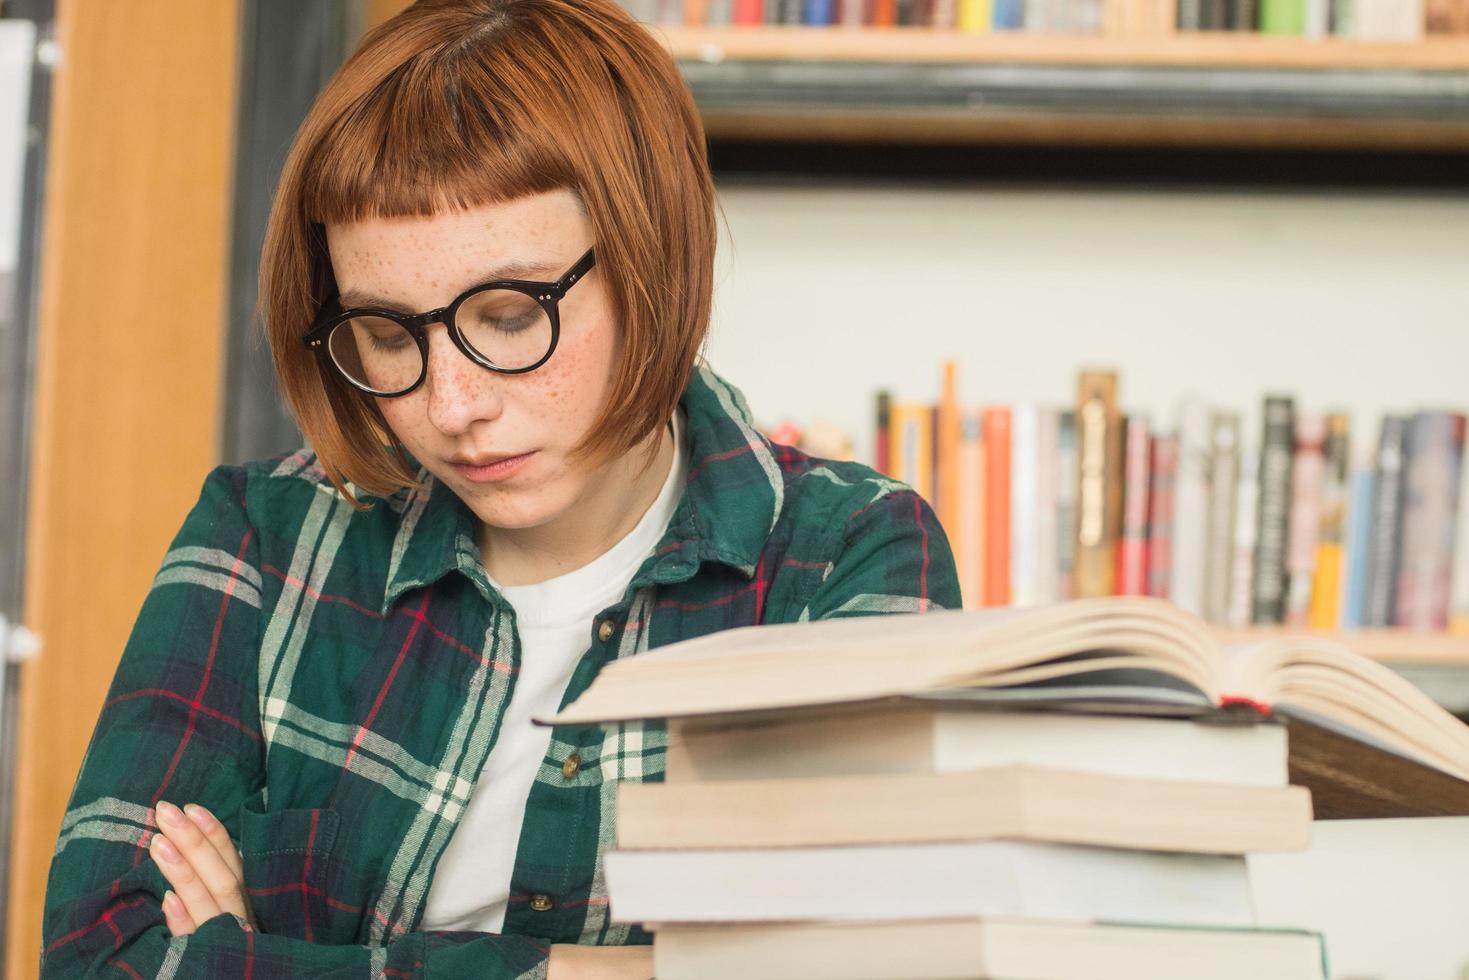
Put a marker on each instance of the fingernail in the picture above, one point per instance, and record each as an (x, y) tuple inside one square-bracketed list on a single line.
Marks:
[(172, 905), (168, 814), (165, 848), (200, 816)]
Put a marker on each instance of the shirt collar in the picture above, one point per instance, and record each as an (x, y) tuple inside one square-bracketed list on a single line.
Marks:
[(731, 500)]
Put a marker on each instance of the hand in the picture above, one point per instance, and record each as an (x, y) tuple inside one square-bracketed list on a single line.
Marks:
[(571, 962), (196, 855)]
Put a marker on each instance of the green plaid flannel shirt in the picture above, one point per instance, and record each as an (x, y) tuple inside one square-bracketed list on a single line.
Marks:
[(329, 682)]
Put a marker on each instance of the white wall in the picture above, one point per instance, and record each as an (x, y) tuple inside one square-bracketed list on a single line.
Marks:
[(824, 294)]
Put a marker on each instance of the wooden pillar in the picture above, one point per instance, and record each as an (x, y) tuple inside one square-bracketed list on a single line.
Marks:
[(133, 295)]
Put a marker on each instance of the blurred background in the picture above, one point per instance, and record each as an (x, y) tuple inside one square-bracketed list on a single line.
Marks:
[(1216, 200)]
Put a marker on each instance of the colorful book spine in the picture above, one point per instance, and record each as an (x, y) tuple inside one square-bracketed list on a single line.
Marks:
[(1099, 485), (1009, 15), (1326, 586), (1224, 434), (748, 13), (1316, 18), (1383, 552), (1190, 15), (1132, 546), (1243, 576), (975, 16), (997, 506), (1160, 515), (1066, 477), (1024, 505), (912, 428), (1358, 541), (1283, 17), (1272, 524), (1305, 516), (1430, 509), (1190, 507)]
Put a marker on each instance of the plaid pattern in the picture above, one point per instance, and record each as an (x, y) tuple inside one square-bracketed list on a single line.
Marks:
[(330, 683)]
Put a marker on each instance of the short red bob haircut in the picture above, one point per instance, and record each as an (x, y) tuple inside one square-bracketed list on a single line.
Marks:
[(457, 104)]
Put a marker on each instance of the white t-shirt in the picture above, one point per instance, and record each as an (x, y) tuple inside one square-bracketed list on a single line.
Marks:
[(472, 881)]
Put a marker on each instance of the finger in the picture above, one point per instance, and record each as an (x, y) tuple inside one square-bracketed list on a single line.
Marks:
[(198, 902), (203, 860), (176, 916), (216, 834)]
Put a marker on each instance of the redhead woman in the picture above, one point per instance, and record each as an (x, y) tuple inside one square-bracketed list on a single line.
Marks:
[(486, 287)]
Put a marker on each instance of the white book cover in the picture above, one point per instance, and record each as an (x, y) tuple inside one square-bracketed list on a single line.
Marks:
[(1190, 507), (1024, 507), (920, 881), (1318, 18)]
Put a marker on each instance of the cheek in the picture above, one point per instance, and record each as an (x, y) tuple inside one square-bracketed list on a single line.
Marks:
[(574, 382)]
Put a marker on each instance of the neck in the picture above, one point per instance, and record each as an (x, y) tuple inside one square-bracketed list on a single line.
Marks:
[(623, 491)]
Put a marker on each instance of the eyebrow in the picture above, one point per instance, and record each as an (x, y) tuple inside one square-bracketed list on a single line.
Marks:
[(507, 270)]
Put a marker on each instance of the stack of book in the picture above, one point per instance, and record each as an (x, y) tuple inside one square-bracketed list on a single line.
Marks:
[(1057, 792), (1043, 503), (1367, 20)]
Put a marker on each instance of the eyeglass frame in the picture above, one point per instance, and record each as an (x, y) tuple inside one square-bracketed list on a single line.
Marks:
[(546, 294)]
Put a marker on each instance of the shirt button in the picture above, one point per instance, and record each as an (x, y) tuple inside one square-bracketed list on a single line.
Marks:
[(605, 631), (541, 903), (571, 766)]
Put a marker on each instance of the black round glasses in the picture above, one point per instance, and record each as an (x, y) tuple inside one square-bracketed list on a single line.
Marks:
[(509, 325)]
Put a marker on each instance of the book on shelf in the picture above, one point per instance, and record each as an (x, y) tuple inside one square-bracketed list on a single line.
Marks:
[(1128, 654), (1367, 20), (950, 948), (1044, 502)]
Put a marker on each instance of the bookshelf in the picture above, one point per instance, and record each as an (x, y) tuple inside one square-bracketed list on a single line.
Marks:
[(1200, 89)]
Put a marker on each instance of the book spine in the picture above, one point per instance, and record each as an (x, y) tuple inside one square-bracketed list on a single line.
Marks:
[(1009, 15), (1190, 15), (721, 13), (945, 15), (748, 13), (1358, 543), (695, 12), (1439, 16), (997, 506), (1283, 17), (1305, 516), (1066, 477), (1047, 496), (1190, 508), (1024, 508), (1272, 525), (1390, 20), (975, 16), (1242, 578), (882, 433), (1224, 430), (1430, 508), (1099, 471), (1344, 18), (1387, 516), (1132, 546), (913, 447), (1316, 18), (969, 554), (1160, 515), (1330, 543)]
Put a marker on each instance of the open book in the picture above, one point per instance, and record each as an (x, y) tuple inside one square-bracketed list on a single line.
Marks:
[(1120, 654)]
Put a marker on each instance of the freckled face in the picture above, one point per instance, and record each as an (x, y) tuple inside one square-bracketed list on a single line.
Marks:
[(461, 409)]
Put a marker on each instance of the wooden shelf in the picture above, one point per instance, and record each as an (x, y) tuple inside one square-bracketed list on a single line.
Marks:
[(924, 45), (916, 85), (1391, 646)]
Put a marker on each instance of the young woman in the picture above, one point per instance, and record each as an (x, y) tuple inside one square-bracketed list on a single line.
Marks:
[(486, 285)]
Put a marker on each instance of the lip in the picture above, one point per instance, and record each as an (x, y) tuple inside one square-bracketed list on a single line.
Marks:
[(489, 469)]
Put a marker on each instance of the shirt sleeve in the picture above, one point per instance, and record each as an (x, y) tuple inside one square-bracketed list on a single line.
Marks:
[(893, 557), (181, 722)]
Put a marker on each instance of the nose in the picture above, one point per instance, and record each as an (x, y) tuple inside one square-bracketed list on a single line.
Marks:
[(460, 392)]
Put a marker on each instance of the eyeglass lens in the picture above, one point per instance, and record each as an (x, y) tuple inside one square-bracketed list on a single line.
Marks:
[(507, 328)]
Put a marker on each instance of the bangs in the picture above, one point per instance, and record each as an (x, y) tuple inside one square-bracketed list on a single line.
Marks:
[(443, 132)]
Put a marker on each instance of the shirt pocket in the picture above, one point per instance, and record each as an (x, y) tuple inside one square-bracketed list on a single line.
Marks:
[(290, 869)]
